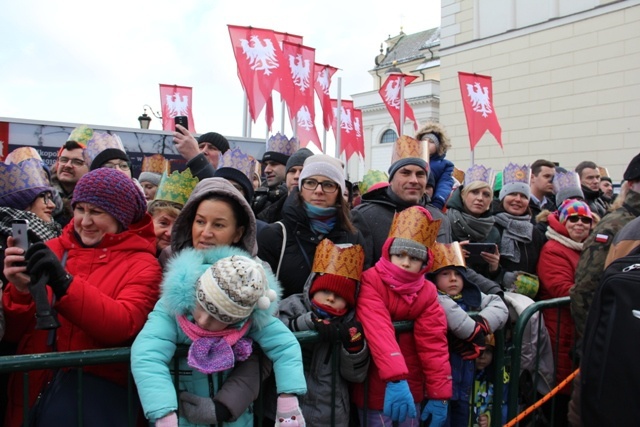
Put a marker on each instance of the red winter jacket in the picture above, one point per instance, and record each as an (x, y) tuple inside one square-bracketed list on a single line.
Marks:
[(115, 286), (556, 270), (420, 356)]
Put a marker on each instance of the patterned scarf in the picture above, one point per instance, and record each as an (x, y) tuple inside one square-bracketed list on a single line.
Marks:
[(401, 281), (321, 220), (215, 351), (516, 229), (38, 229), (468, 227), (564, 240)]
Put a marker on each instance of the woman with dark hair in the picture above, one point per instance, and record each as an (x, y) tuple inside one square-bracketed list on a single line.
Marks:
[(314, 211)]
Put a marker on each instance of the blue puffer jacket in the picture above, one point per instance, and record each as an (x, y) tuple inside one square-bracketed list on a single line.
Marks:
[(152, 352)]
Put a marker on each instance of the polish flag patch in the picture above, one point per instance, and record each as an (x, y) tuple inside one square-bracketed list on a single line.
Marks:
[(602, 238)]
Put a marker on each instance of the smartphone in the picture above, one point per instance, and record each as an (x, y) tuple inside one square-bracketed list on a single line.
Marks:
[(19, 228), (474, 250), (182, 121)]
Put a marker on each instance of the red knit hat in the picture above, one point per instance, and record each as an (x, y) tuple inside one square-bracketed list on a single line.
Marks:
[(339, 285)]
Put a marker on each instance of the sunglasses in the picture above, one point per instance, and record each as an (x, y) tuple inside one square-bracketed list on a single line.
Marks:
[(574, 219)]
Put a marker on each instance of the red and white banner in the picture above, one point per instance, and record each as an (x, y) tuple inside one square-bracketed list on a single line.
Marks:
[(477, 99), (176, 101), (358, 147), (348, 138), (260, 64), (390, 92), (322, 83)]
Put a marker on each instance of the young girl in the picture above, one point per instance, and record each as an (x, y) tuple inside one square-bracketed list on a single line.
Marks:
[(216, 301), (467, 334), (440, 168), (414, 366), (327, 306)]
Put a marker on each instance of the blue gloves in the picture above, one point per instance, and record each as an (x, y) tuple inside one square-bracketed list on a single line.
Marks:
[(437, 410), (398, 401)]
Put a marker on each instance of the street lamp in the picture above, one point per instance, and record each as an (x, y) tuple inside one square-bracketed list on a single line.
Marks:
[(144, 119)]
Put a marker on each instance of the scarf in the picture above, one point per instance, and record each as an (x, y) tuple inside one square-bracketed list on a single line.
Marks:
[(215, 351), (38, 229), (516, 229), (321, 220), (401, 281), (563, 240), (326, 312), (468, 227)]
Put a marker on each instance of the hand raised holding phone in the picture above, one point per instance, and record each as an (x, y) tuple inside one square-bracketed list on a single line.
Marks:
[(185, 143)]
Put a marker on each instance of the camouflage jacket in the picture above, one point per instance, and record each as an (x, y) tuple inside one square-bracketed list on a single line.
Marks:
[(592, 259)]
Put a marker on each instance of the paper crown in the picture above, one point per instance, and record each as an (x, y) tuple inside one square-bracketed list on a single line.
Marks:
[(82, 134), (236, 159), (344, 260), (603, 171), (256, 167), (280, 144), (479, 173), (21, 154), (458, 175), (371, 178), (101, 141), (414, 224), (406, 146), (514, 173), (156, 163), (19, 177), (447, 255), (176, 187)]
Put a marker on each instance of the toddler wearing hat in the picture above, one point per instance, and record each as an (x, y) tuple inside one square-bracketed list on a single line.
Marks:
[(218, 302)]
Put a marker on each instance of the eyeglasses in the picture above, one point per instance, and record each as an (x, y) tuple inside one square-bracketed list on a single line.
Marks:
[(74, 162), (46, 198), (312, 184), (124, 166), (574, 219)]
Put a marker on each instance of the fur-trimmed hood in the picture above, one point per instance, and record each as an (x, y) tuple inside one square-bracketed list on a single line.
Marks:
[(184, 270), (438, 129)]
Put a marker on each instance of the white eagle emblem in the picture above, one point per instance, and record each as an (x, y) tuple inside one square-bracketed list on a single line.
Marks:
[(392, 93), (357, 127), (299, 71), (303, 118), (323, 80), (178, 105), (260, 53), (479, 97), (345, 119)]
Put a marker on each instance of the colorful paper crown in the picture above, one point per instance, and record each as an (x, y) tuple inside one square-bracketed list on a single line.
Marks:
[(82, 134), (156, 163), (21, 154), (19, 177), (344, 260), (371, 178), (236, 159), (458, 175), (280, 144), (256, 167), (176, 187), (447, 255), (102, 141), (566, 185), (415, 223), (406, 146), (514, 173), (479, 173)]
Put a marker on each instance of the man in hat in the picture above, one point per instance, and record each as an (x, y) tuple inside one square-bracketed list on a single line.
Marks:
[(202, 155), (590, 183), (541, 185)]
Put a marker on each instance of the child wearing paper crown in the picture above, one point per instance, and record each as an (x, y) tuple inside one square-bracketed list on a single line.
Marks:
[(218, 302), (327, 306), (412, 367), (467, 334)]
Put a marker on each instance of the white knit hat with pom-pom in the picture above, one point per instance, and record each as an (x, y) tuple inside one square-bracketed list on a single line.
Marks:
[(232, 288)]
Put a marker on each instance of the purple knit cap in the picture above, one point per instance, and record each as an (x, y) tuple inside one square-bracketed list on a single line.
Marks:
[(113, 192)]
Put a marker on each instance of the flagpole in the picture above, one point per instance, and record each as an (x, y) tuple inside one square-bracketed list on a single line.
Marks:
[(401, 105), (244, 116), (338, 119), (282, 116)]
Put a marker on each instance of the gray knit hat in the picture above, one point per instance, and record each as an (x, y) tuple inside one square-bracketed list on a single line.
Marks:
[(298, 158), (325, 165), (410, 247), (151, 177)]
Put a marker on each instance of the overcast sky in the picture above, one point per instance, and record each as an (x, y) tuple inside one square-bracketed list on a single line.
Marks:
[(92, 62)]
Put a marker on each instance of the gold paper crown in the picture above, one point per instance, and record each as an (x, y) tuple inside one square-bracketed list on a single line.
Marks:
[(176, 187), (236, 159), (21, 154), (458, 174), (101, 141), (156, 164), (415, 223), (406, 146), (280, 144), (479, 173), (447, 255), (603, 171), (513, 173), (344, 260)]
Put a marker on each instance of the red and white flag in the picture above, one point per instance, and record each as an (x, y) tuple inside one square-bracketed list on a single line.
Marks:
[(477, 99), (176, 101), (390, 94), (348, 138), (357, 127), (260, 63), (322, 83)]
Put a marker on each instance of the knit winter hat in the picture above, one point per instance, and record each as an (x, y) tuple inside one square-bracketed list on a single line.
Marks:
[(113, 192), (573, 207), (432, 137), (218, 141), (232, 288), (153, 178), (109, 154), (632, 172), (298, 158), (339, 285), (239, 178), (410, 247), (324, 165)]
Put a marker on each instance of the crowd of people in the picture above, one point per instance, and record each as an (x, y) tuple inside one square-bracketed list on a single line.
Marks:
[(229, 264)]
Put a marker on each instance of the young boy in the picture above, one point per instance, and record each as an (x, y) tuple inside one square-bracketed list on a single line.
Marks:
[(410, 367), (467, 334), (327, 306)]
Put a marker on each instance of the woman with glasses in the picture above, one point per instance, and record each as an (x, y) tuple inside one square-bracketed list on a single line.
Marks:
[(314, 211), (568, 228)]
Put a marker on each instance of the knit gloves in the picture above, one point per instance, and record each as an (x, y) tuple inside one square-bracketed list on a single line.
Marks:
[(196, 409), (398, 401), (42, 261), (288, 412), (437, 410), (350, 333), (476, 342), (170, 420)]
